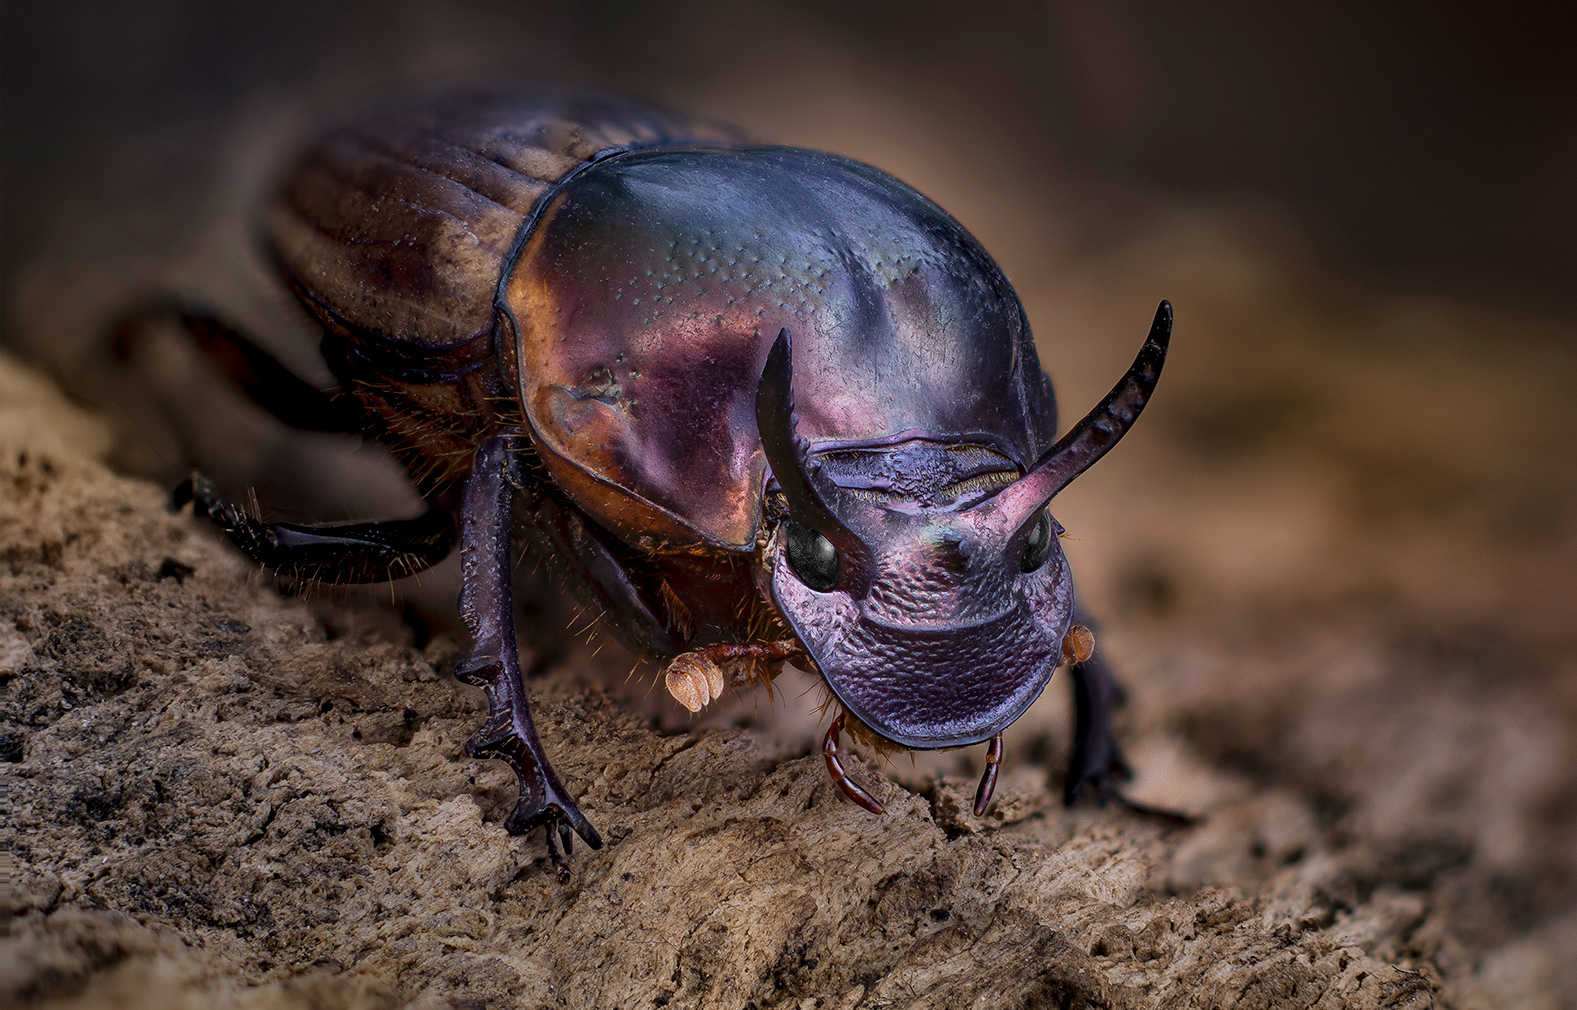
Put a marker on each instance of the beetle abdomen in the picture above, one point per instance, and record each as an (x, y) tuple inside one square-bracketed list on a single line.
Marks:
[(394, 231)]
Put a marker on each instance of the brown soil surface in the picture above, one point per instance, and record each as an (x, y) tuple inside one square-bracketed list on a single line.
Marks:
[(1336, 563)]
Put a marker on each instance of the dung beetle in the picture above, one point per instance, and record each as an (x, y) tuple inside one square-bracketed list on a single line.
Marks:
[(755, 404)]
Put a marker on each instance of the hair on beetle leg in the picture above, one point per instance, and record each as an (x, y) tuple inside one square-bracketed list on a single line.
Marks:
[(762, 670), (599, 620), (575, 618), (766, 676), (678, 610)]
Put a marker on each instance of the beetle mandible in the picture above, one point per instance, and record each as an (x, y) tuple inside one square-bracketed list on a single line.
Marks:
[(757, 404)]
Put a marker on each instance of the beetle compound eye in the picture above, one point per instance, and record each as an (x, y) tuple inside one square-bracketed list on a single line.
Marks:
[(811, 556), (1038, 547)]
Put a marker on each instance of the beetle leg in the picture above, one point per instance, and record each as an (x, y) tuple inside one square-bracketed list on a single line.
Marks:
[(251, 369), (578, 552), (1097, 760), (487, 604), (988, 779), (335, 553), (829, 751)]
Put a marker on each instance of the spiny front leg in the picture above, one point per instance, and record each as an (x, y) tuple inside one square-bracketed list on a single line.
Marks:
[(487, 605), (1097, 760)]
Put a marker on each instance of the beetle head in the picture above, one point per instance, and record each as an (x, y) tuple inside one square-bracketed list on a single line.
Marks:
[(938, 617)]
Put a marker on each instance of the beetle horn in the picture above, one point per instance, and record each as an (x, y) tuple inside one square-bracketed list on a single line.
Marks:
[(789, 456), (1089, 440)]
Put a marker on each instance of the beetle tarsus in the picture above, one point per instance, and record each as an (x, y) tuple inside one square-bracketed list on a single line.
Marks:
[(509, 736), (988, 778), (1166, 815), (487, 604), (851, 789)]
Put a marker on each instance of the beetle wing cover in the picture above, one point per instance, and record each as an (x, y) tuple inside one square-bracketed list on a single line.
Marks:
[(400, 223)]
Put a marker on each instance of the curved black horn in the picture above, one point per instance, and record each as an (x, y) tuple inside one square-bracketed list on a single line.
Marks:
[(1089, 440), (789, 456)]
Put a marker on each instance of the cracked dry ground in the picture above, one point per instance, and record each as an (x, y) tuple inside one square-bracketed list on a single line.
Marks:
[(221, 796)]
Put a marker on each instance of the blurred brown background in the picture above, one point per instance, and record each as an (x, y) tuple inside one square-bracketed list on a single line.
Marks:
[(1421, 145), (1337, 560)]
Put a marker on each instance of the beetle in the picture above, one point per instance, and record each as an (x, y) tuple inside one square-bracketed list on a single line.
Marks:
[(756, 404)]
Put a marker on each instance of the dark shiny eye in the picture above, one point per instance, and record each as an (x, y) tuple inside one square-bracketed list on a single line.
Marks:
[(811, 556), (1038, 547)]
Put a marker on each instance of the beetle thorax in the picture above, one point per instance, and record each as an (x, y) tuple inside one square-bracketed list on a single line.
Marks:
[(648, 295)]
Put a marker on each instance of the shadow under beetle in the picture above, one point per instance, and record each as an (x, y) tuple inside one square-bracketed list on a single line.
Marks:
[(757, 404)]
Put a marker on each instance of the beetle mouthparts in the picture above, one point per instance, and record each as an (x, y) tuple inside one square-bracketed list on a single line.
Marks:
[(695, 680), (988, 778), (831, 752)]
